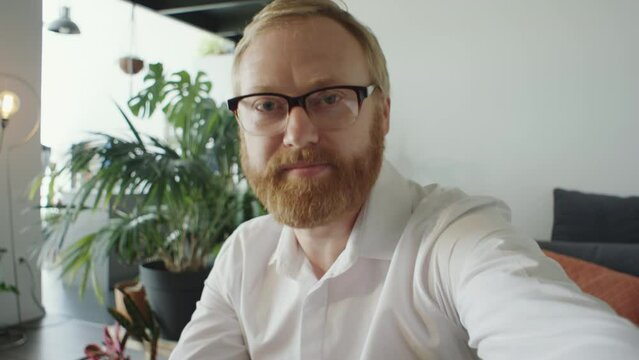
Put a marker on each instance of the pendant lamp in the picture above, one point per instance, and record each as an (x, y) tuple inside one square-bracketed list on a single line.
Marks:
[(64, 24)]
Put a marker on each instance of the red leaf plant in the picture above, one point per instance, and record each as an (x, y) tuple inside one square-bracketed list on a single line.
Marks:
[(113, 348)]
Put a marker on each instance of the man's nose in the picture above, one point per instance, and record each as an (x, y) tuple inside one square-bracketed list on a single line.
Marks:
[(300, 130)]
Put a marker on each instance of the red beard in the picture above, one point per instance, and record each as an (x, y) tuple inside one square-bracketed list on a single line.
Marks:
[(310, 202)]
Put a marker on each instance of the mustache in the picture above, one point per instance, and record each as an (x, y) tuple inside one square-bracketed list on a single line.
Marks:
[(284, 158)]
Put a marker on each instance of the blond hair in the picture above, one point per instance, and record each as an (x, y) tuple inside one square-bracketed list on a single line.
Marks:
[(280, 10)]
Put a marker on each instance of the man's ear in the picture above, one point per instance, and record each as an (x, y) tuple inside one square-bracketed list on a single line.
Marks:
[(386, 106)]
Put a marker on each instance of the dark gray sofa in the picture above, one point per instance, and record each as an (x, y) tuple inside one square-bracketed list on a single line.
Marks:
[(602, 229)]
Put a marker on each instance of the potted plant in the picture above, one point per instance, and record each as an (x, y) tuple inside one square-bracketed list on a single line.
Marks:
[(175, 200), (139, 323)]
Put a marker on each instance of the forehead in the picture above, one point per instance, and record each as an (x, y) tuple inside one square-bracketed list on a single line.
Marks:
[(300, 54)]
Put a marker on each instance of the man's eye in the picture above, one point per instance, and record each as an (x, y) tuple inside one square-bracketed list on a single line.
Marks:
[(330, 99), (266, 105)]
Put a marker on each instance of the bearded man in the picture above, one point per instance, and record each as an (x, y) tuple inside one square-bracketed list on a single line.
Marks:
[(354, 261)]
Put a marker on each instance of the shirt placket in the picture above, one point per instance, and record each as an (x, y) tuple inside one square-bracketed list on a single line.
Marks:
[(313, 322)]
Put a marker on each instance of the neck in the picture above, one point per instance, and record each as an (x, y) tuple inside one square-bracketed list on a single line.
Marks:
[(323, 244)]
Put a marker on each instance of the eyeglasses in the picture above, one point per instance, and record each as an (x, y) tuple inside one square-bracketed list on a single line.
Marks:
[(329, 108)]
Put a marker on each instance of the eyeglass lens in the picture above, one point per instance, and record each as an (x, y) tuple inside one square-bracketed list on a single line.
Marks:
[(328, 109)]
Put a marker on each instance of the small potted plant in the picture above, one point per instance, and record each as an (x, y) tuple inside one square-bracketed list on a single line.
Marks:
[(112, 348), (139, 323)]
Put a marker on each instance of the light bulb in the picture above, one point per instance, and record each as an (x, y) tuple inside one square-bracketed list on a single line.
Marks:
[(9, 104)]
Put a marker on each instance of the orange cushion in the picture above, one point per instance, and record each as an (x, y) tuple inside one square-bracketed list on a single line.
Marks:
[(619, 290)]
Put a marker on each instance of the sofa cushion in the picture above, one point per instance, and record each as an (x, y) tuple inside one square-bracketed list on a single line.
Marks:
[(582, 217), (619, 290), (619, 257)]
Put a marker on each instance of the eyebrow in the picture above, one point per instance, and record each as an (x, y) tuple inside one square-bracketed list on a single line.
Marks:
[(322, 81), (316, 83)]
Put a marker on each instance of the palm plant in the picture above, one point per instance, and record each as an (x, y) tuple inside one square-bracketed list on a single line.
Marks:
[(175, 200)]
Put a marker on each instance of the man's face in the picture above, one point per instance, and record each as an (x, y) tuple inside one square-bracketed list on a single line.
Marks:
[(305, 176)]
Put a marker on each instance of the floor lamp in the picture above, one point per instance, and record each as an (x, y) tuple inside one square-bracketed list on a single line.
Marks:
[(15, 93)]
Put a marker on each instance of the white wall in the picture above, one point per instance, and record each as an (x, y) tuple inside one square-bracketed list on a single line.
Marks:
[(512, 98), (20, 44), (218, 69), (80, 75)]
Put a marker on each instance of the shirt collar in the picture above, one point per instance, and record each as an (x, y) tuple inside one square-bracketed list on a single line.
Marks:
[(375, 233), (383, 218)]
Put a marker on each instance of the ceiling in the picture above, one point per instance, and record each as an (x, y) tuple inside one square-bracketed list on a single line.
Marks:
[(226, 18)]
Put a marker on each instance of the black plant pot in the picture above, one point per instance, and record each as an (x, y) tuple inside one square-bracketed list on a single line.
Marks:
[(172, 295)]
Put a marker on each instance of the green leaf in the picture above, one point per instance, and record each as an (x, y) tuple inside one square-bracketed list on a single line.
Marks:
[(145, 103), (121, 319), (131, 127), (4, 287), (97, 289)]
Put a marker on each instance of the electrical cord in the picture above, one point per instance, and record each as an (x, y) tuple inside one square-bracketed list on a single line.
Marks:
[(37, 302), (14, 337), (4, 125), (9, 338)]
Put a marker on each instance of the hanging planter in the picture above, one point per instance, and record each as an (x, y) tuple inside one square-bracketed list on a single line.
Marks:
[(131, 64)]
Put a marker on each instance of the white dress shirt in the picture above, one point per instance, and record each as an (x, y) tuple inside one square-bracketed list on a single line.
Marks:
[(427, 273)]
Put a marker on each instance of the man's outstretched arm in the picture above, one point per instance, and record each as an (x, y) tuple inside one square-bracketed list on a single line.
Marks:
[(516, 303)]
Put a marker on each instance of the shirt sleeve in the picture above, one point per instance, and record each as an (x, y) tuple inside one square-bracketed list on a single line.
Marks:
[(214, 331), (516, 303)]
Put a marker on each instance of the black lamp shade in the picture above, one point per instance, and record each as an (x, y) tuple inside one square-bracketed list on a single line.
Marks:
[(63, 24)]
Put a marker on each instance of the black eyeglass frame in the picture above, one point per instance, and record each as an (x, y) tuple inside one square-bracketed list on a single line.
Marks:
[(362, 93)]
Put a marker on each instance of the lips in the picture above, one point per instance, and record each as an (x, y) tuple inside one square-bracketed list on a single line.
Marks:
[(300, 165), (304, 170)]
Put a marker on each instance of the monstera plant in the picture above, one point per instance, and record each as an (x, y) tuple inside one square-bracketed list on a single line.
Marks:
[(172, 200)]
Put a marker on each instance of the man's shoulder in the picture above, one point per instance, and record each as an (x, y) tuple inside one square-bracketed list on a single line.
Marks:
[(442, 207), (259, 224), (447, 218), (251, 240), (258, 231)]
